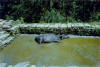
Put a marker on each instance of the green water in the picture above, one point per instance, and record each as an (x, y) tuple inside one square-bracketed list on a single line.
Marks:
[(72, 51)]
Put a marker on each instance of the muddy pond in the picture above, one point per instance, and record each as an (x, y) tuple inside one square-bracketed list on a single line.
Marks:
[(72, 51)]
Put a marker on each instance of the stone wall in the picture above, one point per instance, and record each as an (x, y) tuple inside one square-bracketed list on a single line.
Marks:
[(75, 29), (9, 30), (27, 64), (5, 37)]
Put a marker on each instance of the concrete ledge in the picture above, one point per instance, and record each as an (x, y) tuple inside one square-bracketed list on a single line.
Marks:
[(3, 36), (76, 29), (27, 64), (6, 41)]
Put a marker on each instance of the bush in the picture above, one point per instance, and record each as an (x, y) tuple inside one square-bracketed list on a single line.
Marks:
[(95, 16), (9, 17), (52, 16), (54, 10), (71, 19), (29, 10), (22, 19)]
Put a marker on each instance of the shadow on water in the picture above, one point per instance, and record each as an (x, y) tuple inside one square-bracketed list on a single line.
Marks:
[(72, 51)]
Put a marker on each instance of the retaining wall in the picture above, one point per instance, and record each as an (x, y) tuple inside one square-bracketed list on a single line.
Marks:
[(8, 31), (76, 29)]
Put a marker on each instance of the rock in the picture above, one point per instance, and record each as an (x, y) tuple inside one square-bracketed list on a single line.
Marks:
[(1, 20), (4, 42), (3, 36), (0, 29), (3, 64), (14, 28), (2, 32), (18, 21), (78, 36), (9, 23), (10, 66), (6, 27), (4, 21), (1, 23), (11, 20), (22, 64)]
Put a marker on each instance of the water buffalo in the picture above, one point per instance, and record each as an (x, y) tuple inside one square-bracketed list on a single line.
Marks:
[(48, 38)]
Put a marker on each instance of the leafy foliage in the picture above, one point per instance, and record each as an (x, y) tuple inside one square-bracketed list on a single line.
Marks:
[(52, 16), (54, 10)]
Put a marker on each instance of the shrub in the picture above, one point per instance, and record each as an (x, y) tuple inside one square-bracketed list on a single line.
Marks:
[(53, 16), (21, 19)]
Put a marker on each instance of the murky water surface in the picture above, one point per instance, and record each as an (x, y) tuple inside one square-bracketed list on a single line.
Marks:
[(72, 51)]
